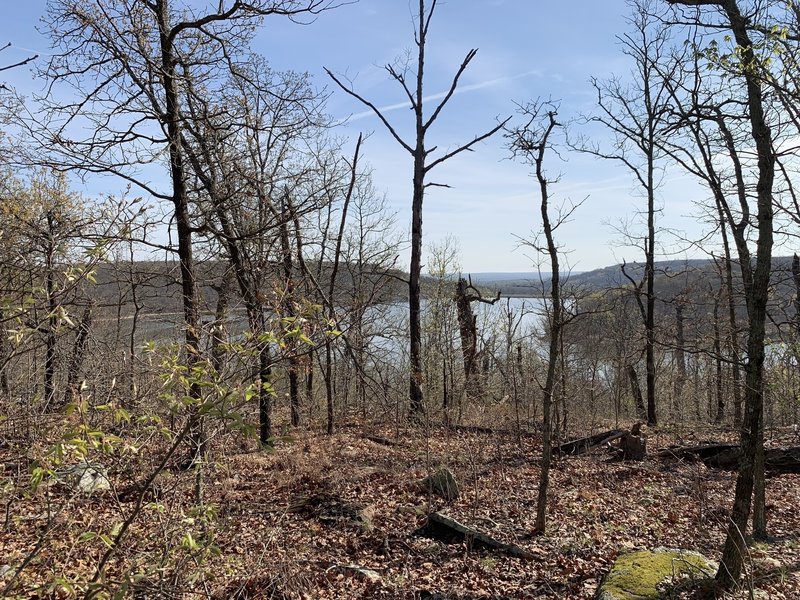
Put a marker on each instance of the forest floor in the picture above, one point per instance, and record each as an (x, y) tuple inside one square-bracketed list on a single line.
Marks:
[(337, 517)]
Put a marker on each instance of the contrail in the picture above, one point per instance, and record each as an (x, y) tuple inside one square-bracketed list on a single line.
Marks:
[(460, 90)]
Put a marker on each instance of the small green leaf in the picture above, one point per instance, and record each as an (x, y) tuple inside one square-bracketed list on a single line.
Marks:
[(86, 536)]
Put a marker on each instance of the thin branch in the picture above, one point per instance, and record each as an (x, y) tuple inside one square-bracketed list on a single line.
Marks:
[(372, 107)]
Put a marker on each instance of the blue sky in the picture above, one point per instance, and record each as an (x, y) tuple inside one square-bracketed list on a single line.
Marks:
[(527, 49)]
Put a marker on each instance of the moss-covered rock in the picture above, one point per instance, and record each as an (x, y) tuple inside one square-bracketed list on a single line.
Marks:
[(645, 575)]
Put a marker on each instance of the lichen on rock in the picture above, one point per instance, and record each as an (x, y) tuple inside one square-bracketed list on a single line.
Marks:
[(643, 575)]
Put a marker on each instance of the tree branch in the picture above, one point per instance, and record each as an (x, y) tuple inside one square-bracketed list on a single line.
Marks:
[(372, 107)]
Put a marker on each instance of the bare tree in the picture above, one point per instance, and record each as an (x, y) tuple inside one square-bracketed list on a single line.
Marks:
[(530, 142), (633, 114), (262, 158), (366, 293), (412, 83)]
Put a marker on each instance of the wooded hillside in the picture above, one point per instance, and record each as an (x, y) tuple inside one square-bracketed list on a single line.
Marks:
[(242, 370)]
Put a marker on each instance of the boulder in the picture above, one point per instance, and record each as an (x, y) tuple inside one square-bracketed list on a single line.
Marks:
[(442, 483), (644, 575)]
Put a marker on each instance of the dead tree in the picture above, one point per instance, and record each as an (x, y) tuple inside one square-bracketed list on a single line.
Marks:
[(466, 294), (412, 84)]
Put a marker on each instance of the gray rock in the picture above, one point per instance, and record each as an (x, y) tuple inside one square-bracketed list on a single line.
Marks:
[(359, 571), (442, 483), (85, 477)]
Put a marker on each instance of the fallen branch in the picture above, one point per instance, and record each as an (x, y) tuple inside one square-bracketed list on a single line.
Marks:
[(449, 531), (726, 457), (379, 439), (584, 445)]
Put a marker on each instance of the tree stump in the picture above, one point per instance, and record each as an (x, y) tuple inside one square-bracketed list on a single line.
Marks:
[(634, 444)]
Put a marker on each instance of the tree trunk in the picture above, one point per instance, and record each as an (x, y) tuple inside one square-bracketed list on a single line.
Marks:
[(78, 353), (137, 310), (265, 391), (191, 315), (650, 275), (52, 318), (733, 335), (759, 489), (756, 285), (796, 278), (680, 356), (290, 314), (469, 340), (309, 371), (795, 325), (720, 413), (5, 356), (556, 323), (416, 405), (329, 387), (636, 390)]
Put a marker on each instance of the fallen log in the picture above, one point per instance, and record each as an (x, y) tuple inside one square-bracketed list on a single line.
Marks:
[(490, 430), (726, 457), (782, 460), (584, 445), (448, 530), (379, 439)]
